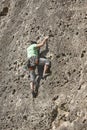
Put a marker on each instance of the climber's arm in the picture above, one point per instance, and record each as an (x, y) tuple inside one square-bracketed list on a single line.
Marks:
[(42, 43)]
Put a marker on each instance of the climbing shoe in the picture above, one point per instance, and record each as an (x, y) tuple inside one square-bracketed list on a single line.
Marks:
[(46, 74), (33, 94)]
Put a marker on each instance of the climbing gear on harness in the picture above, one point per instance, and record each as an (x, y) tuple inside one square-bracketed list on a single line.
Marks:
[(33, 62)]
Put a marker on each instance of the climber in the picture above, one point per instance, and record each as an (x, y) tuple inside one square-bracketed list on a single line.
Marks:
[(34, 60)]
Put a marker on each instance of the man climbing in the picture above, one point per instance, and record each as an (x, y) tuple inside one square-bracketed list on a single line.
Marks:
[(34, 60)]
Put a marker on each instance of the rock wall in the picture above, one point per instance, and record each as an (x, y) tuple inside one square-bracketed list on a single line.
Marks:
[(61, 103)]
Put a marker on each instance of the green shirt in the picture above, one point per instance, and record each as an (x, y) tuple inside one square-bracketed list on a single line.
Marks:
[(32, 51)]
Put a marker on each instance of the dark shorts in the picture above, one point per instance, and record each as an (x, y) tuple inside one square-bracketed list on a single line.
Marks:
[(42, 62)]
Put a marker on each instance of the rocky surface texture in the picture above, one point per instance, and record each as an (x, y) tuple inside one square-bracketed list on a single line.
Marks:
[(61, 103)]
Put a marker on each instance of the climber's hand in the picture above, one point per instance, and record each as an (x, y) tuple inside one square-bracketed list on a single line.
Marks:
[(46, 37)]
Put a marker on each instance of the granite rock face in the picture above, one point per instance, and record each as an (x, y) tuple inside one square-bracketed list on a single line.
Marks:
[(61, 103)]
